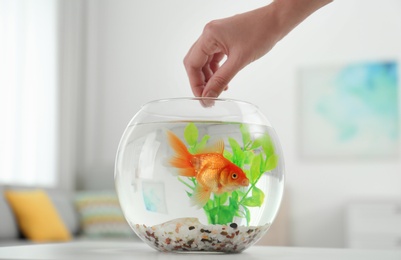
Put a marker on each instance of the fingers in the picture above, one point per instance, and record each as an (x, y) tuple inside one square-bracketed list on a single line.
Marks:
[(220, 79), (193, 65), (197, 62), (207, 69), (202, 63), (207, 78)]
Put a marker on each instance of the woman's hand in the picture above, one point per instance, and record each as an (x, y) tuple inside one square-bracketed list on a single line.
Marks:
[(242, 39)]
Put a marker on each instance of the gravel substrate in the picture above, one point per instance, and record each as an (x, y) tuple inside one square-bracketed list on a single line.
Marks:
[(188, 234)]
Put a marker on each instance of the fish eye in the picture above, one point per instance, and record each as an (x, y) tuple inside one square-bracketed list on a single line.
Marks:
[(234, 176)]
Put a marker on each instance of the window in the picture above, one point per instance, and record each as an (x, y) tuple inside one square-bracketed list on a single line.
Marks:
[(28, 92)]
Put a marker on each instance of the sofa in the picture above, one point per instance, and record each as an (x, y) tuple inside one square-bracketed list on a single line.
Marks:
[(83, 215), (96, 214)]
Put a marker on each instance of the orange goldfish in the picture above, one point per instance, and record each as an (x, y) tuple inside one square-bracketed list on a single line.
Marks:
[(213, 172)]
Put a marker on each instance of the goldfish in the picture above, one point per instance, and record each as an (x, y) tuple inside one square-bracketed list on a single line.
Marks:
[(213, 172)]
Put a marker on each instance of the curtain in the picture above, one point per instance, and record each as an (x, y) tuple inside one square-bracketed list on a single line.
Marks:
[(28, 92)]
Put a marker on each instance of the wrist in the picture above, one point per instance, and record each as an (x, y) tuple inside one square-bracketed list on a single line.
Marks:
[(289, 13)]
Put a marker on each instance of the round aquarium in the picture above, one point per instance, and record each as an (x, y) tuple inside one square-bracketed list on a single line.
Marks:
[(200, 175)]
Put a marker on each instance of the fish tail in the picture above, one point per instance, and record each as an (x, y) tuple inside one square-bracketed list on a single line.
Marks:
[(182, 158), (200, 196)]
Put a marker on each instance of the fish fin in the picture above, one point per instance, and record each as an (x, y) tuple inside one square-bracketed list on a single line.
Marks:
[(182, 158), (200, 196), (187, 172), (216, 147)]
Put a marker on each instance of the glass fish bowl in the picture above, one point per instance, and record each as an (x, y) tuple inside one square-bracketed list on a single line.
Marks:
[(199, 175)]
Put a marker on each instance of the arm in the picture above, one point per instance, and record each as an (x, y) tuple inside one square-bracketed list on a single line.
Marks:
[(243, 38)]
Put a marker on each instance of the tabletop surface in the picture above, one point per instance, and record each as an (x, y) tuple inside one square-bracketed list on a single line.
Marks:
[(99, 250)]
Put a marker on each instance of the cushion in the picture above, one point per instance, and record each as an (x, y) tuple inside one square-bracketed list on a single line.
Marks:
[(36, 215), (8, 224), (62, 201), (101, 215)]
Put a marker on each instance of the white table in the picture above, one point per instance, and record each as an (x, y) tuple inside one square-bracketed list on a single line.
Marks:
[(99, 250)]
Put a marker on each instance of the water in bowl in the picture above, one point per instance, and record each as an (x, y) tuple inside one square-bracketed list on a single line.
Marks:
[(157, 201)]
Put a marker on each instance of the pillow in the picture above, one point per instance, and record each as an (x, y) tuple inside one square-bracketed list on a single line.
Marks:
[(36, 216), (101, 215)]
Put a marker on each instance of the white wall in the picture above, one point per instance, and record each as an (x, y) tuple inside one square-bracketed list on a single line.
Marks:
[(134, 55)]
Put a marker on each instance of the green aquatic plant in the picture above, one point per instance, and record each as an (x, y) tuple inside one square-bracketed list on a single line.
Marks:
[(254, 157)]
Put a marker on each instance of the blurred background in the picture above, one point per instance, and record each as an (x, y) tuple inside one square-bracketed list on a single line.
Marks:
[(73, 73)]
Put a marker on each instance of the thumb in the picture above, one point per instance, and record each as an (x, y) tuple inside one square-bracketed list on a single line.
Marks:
[(220, 79)]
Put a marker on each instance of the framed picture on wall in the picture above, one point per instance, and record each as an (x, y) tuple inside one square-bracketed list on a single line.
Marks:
[(349, 111)]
